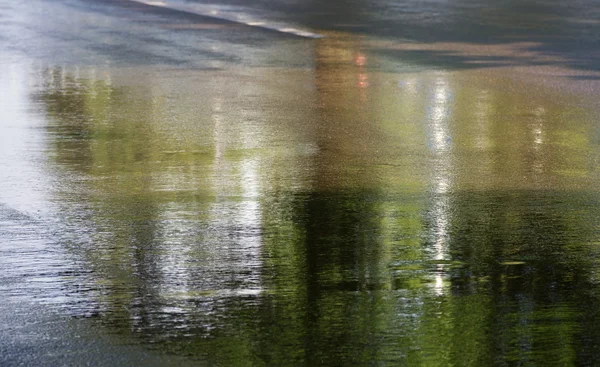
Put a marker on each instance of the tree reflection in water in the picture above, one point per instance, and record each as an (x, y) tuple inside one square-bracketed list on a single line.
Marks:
[(426, 218)]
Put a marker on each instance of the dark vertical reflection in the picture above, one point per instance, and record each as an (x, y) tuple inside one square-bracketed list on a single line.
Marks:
[(515, 261), (324, 244)]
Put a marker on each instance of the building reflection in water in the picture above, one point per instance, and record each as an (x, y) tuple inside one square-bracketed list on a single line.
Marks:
[(336, 215)]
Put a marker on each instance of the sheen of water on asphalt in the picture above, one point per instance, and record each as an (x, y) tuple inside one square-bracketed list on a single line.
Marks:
[(266, 200)]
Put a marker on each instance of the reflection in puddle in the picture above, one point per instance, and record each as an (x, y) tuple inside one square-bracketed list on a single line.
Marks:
[(329, 216), (440, 119)]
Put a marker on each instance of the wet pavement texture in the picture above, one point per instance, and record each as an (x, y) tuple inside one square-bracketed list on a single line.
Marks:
[(417, 187)]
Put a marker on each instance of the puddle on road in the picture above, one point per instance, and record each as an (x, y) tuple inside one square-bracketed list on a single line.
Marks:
[(336, 215)]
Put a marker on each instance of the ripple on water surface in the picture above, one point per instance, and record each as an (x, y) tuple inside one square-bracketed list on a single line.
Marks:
[(335, 216)]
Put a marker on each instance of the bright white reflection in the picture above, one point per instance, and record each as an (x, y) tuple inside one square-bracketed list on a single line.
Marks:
[(236, 214), (204, 241), (23, 185), (538, 126), (249, 211), (439, 115), (439, 285), (441, 221), (537, 130), (440, 136), (538, 135), (219, 140)]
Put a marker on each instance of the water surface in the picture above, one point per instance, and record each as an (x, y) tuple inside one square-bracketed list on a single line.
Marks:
[(316, 210)]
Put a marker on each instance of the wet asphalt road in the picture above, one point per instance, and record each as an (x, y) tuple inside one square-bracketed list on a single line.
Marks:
[(418, 187)]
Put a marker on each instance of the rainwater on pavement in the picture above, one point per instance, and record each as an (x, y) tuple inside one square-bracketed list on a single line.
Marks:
[(419, 186)]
